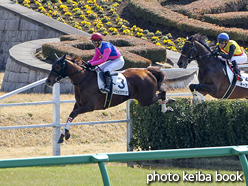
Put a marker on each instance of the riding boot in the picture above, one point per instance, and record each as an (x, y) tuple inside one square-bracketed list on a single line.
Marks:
[(108, 81), (236, 70)]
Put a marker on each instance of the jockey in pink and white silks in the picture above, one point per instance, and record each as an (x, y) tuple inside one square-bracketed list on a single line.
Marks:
[(111, 58)]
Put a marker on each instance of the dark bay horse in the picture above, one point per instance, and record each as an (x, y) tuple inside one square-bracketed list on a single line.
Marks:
[(211, 77), (142, 84)]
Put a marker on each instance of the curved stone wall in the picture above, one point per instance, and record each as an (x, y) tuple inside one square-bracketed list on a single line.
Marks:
[(24, 68)]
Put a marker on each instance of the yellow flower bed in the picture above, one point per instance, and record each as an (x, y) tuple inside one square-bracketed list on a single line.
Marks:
[(94, 20)]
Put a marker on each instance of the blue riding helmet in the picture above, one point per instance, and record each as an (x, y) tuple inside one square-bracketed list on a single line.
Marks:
[(223, 36)]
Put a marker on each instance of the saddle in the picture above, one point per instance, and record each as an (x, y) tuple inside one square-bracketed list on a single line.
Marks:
[(225, 65), (233, 79), (118, 86)]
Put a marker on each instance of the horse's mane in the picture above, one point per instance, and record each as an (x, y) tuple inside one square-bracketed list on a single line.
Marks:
[(203, 40), (74, 59)]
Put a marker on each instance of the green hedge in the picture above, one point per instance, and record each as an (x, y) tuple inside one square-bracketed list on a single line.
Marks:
[(210, 124), (198, 8), (154, 13), (136, 52), (237, 19)]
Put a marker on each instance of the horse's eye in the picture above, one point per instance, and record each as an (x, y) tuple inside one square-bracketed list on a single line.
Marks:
[(57, 67)]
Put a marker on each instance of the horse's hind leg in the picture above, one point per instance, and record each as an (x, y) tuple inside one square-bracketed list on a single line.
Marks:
[(156, 97), (161, 95)]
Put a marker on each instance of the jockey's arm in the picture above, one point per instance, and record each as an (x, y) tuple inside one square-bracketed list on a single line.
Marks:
[(230, 54), (104, 58), (96, 56)]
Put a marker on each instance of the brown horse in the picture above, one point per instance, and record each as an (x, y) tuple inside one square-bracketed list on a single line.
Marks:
[(142, 85), (211, 76)]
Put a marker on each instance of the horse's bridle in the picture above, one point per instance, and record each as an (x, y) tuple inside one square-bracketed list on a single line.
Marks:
[(190, 58), (62, 73)]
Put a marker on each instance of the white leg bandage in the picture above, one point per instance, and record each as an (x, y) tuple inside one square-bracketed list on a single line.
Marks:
[(67, 125), (163, 106), (197, 97)]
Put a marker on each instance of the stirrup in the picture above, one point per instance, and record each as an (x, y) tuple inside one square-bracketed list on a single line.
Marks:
[(105, 90)]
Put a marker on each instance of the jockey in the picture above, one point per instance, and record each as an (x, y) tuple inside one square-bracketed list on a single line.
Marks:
[(230, 50), (111, 59)]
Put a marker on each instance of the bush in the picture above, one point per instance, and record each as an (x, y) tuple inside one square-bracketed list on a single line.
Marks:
[(233, 19), (136, 52), (198, 8), (210, 124), (153, 12)]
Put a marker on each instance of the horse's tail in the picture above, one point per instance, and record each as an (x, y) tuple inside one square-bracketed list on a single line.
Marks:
[(159, 76)]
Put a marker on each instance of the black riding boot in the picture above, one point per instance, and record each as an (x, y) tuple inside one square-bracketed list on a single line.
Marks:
[(236, 70), (107, 81)]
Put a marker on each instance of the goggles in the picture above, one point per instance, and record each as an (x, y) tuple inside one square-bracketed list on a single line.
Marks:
[(221, 41), (95, 42)]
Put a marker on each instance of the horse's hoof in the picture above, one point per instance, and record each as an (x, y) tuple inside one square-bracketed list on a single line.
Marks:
[(60, 141), (67, 137), (171, 100), (169, 109)]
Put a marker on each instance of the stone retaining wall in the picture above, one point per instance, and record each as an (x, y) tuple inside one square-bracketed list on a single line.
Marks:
[(18, 26)]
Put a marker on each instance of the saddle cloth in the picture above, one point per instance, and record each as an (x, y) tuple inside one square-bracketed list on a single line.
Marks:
[(243, 83), (119, 83)]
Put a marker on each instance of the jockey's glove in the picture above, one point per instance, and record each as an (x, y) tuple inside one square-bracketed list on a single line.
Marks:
[(88, 65)]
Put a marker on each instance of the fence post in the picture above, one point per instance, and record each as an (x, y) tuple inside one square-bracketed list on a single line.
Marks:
[(244, 164), (56, 119), (129, 126)]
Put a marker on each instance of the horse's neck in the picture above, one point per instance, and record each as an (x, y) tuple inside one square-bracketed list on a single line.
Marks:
[(201, 50), (73, 72)]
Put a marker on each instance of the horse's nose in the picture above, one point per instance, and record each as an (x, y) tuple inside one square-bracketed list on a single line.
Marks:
[(49, 83), (180, 64)]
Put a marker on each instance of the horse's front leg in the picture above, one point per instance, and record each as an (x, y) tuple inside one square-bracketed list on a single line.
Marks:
[(200, 90), (65, 133), (204, 89), (76, 111)]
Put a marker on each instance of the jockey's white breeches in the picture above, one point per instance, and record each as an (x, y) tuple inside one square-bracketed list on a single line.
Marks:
[(239, 59), (112, 65)]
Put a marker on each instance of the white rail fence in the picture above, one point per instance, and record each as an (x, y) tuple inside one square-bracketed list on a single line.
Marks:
[(56, 125), (56, 114)]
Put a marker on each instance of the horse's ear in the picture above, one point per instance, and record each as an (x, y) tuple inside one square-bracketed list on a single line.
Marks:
[(63, 57), (56, 56)]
